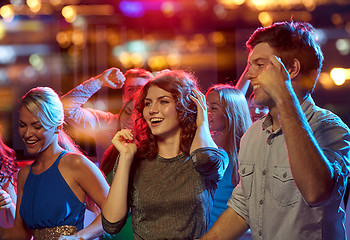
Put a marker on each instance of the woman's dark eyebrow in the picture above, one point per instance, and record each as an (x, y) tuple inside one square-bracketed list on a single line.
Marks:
[(217, 104), (161, 97), (30, 123)]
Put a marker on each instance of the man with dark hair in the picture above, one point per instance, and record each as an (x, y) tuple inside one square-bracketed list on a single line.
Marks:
[(100, 125), (294, 162)]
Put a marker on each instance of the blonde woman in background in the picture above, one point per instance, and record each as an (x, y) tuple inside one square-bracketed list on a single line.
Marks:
[(52, 191)]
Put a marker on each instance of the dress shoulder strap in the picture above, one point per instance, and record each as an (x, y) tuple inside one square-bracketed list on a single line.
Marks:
[(59, 157)]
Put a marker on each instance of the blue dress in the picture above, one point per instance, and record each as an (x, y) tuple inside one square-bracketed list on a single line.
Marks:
[(222, 195), (48, 201)]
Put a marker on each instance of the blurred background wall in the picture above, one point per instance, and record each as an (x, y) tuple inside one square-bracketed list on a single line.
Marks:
[(61, 43)]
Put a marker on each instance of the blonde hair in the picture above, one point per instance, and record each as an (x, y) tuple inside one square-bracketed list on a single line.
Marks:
[(46, 105)]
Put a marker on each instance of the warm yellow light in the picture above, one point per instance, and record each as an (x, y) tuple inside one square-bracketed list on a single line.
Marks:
[(34, 5), (7, 13), (137, 60), (63, 39), (238, 2), (217, 38), (78, 38), (96, 9), (56, 2), (199, 38), (310, 5), (231, 3), (265, 19), (339, 75), (2, 30), (69, 13), (260, 4), (157, 63), (193, 46), (326, 80), (173, 60), (113, 37), (125, 59)]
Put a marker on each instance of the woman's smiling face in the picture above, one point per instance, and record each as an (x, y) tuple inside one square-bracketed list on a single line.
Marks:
[(160, 113), (216, 116), (34, 135)]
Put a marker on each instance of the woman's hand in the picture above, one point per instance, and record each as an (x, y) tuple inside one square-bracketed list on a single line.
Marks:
[(115, 207), (124, 142), (72, 237), (199, 100), (202, 137), (5, 200)]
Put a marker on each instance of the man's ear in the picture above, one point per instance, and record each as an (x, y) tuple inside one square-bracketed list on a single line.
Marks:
[(294, 69), (59, 128)]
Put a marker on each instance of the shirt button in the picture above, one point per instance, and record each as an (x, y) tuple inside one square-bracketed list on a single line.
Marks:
[(261, 202), (284, 175), (264, 172), (243, 170), (260, 232)]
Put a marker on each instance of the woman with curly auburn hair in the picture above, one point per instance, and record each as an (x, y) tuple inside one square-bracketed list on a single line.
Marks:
[(180, 85), (169, 166), (8, 196)]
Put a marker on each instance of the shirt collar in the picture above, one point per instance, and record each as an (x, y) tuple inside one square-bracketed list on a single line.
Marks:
[(307, 107)]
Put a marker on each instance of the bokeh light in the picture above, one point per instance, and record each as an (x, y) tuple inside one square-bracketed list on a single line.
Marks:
[(265, 19), (218, 38), (36, 61), (168, 9), (132, 9), (325, 80), (7, 54), (69, 13), (2, 30), (7, 13), (34, 5), (343, 46), (339, 75)]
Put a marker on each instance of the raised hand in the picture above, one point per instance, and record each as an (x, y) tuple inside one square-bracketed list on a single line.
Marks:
[(112, 78), (202, 137), (124, 142), (199, 100), (275, 79), (5, 200)]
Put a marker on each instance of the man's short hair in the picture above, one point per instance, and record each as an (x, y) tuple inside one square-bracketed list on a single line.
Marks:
[(293, 40), (138, 73)]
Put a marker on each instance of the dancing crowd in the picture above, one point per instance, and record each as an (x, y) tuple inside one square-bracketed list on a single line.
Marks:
[(178, 163)]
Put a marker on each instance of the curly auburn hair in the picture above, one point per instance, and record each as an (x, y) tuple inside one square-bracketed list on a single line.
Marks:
[(180, 84)]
